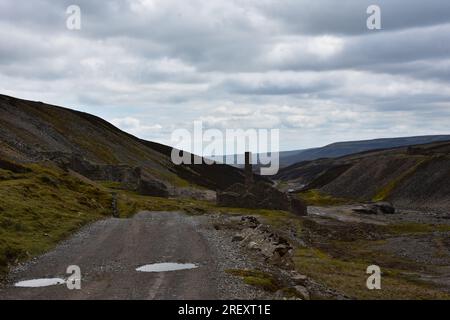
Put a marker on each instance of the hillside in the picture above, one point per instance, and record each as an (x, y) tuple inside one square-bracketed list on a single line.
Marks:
[(61, 169), (415, 177), (38, 132), (340, 149)]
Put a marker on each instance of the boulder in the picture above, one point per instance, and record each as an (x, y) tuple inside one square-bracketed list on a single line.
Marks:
[(385, 207)]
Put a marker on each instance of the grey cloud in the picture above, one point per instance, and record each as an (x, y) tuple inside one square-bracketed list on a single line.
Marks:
[(173, 62), (276, 87), (349, 17)]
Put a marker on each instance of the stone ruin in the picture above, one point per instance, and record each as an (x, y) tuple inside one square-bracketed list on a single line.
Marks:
[(259, 195), (131, 178)]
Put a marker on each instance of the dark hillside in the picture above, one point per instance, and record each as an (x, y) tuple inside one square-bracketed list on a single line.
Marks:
[(414, 177)]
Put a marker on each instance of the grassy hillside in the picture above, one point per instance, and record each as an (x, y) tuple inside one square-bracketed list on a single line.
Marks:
[(42, 206)]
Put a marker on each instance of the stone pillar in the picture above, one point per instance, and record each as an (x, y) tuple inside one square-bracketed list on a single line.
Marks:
[(248, 170)]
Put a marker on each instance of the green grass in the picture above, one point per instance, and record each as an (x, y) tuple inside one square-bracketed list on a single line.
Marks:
[(257, 278), (42, 207), (412, 227), (316, 198), (348, 276), (175, 180)]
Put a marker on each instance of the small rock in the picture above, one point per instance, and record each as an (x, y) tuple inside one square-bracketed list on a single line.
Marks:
[(252, 245), (303, 292), (299, 279), (237, 238), (251, 221)]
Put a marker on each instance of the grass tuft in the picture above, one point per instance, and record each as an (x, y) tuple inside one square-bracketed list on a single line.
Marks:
[(315, 197), (257, 278)]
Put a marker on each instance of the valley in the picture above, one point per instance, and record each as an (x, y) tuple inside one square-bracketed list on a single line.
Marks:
[(75, 190)]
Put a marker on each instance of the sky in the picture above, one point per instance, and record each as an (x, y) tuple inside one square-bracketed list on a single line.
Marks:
[(311, 69)]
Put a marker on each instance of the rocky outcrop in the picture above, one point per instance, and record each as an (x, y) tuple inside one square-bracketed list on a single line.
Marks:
[(275, 251), (259, 195), (274, 248)]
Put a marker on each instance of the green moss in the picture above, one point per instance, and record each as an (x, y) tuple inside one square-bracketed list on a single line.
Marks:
[(291, 293), (257, 278), (175, 180), (263, 283), (316, 198), (112, 185)]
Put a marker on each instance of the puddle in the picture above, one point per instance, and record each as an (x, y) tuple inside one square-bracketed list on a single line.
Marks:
[(163, 267), (37, 283)]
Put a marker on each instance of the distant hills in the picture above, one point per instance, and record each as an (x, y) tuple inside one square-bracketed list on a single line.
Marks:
[(340, 149)]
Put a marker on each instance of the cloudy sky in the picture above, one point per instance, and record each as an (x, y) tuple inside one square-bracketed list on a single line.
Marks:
[(309, 68)]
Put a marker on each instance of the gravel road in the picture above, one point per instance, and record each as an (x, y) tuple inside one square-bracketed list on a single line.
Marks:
[(109, 251)]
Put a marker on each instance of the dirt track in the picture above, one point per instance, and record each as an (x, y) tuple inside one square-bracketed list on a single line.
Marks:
[(109, 251)]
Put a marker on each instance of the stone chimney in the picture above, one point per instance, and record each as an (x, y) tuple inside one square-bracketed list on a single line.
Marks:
[(248, 170)]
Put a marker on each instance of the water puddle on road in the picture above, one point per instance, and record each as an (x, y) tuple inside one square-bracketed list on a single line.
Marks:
[(37, 283), (163, 267)]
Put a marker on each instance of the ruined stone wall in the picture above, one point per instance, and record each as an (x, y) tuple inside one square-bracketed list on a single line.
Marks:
[(130, 177)]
